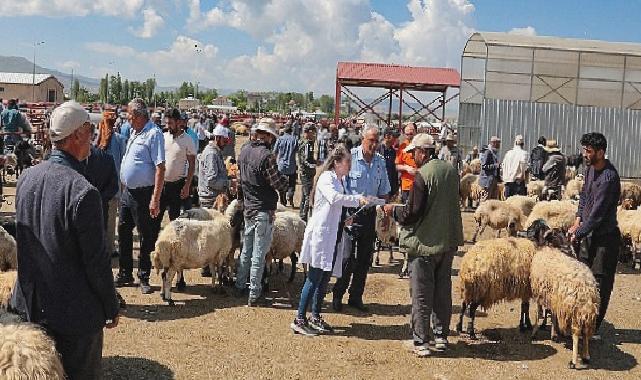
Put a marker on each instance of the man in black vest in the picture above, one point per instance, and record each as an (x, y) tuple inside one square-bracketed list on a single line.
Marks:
[(260, 183)]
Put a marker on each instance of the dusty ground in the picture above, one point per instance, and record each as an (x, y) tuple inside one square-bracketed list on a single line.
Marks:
[(211, 336)]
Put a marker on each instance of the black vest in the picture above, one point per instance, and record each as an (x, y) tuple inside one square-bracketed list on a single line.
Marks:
[(258, 194)]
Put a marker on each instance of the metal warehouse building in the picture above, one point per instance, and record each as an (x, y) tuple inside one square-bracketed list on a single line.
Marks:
[(556, 87)]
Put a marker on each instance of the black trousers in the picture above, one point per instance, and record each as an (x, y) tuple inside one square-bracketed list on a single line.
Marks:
[(431, 294), (601, 254), (356, 267), (307, 184), (170, 200), (134, 212), (515, 188), (81, 355), (289, 194)]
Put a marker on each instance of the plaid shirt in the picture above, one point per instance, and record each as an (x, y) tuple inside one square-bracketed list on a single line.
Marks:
[(276, 180)]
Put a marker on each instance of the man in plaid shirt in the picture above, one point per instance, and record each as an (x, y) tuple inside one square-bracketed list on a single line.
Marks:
[(260, 183)]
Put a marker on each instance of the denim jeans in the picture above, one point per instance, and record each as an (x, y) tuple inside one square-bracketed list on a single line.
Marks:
[(257, 238), (314, 291)]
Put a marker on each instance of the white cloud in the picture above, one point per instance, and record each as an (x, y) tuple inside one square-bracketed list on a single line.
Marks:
[(152, 22), (69, 65), (62, 8), (527, 31), (299, 42)]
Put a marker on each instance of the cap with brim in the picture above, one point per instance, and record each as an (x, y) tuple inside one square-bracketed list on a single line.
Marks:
[(220, 131), (66, 119), (495, 139), (267, 125), (450, 137), (421, 141), (552, 146)]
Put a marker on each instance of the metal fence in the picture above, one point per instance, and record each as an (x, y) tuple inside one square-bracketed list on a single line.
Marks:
[(562, 122)]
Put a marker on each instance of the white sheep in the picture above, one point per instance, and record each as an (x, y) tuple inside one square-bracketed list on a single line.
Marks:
[(26, 352), (387, 234), (630, 226), (535, 188), (191, 244), (8, 251), (567, 288), (558, 215), (573, 189), (498, 215), (523, 203), (287, 239)]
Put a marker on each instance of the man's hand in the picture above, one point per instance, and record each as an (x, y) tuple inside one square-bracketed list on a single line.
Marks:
[(154, 207), (574, 227), (113, 323), (411, 170), (184, 193)]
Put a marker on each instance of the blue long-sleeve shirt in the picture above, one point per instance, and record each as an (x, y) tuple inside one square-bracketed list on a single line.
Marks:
[(598, 201)]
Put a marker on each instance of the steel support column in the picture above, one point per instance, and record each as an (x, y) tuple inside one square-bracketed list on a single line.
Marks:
[(337, 102), (400, 110), (389, 113)]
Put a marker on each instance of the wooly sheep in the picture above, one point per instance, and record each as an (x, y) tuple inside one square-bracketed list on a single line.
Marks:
[(8, 251), (535, 189), (493, 271), (573, 189), (567, 288), (631, 191), (630, 225), (387, 234), (558, 215), (475, 166), (498, 215), (523, 203), (191, 244), (26, 352), (287, 239), (470, 191)]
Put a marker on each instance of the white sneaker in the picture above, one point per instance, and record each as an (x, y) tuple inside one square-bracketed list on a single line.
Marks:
[(440, 344), (421, 350)]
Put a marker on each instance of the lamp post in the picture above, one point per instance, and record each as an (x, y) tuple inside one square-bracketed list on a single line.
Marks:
[(33, 77), (198, 51)]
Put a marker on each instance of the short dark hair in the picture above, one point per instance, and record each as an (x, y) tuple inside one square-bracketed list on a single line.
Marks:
[(542, 140), (595, 140), (173, 113)]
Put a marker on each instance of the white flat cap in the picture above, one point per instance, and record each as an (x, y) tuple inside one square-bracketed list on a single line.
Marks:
[(66, 119), (421, 141), (220, 131)]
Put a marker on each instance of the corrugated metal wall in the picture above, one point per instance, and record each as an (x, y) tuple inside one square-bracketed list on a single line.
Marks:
[(565, 123)]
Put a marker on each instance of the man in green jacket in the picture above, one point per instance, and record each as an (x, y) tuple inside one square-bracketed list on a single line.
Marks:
[(432, 231)]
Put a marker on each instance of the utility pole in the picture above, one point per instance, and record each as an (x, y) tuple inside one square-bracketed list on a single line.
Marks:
[(73, 96), (33, 77)]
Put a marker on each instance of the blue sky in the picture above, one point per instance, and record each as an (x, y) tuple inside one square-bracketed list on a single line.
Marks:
[(282, 44)]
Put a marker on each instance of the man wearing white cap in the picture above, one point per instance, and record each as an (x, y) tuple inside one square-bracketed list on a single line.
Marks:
[(212, 173), (260, 183), (515, 166), (64, 281), (449, 152), (490, 164), (432, 232)]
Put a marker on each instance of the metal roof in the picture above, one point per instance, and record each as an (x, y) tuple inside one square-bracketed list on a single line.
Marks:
[(23, 78), (394, 76), (558, 43)]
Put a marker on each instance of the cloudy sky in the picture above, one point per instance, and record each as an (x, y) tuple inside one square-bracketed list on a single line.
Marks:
[(282, 44)]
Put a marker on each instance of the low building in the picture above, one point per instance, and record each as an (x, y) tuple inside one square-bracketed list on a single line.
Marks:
[(222, 101), (188, 104), (47, 88)]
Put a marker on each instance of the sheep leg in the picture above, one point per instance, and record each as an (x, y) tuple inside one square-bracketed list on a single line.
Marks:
[(281, 266), (498, 233), (575, 352), (525, 323), (470, 325), (405, 265), (166, 285), (376, 253), (554, 334), (459, 325), (585, 356), (479, 231), (391, 252), (294, 260)]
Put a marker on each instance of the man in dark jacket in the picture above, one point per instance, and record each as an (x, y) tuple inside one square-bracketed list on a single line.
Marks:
[(307, 165), (554, 171), (286, 149), (260, 183), (388, 151), (538, 158), (490, 164), (101, 173), (596, 219), (64, 281)]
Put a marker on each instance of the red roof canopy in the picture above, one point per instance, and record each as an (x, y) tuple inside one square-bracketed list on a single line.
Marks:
[(394, 76)]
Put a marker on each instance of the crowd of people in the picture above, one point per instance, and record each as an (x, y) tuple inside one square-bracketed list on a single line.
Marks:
[(139, 165)]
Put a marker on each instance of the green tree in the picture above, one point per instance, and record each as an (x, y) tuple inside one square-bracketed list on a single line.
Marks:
[(125, 91), (75, 89), (117, 90)]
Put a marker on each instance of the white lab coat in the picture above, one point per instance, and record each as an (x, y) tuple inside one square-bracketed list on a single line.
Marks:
[(322, 228)]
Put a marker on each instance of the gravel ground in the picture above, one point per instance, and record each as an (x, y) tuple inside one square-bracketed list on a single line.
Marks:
[(210, 336)]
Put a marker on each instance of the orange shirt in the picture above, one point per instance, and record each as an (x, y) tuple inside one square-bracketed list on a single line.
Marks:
[(402, 158)]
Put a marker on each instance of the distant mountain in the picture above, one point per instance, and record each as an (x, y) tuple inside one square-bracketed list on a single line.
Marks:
[(23, 65)]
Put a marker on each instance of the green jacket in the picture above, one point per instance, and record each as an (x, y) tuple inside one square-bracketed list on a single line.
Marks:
[(431, 219)]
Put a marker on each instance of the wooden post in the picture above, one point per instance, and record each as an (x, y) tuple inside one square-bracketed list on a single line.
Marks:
[(337, 102)]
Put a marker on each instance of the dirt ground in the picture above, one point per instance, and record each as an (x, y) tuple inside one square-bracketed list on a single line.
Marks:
[(213, 336)]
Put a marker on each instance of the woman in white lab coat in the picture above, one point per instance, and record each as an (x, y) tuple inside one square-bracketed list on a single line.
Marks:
[(322, 235)]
